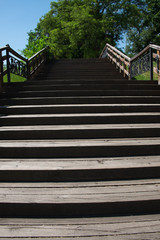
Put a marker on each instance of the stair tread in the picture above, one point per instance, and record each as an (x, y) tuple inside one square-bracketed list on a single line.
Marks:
[(80, 115), (75, 192), (90, 90), (63, 164), (82, 97), (111, 228), (79, 142), (80, 127), (80, 105)]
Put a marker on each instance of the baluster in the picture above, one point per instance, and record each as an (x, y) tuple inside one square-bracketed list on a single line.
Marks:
[(8, 65)]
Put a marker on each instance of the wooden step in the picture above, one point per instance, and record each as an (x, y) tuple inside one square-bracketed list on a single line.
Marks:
[(84, 76), (90, 87), (79, 199), (78, 169), (80, 148), (75, 93), (49, 81), (81, 118), (81, 100), (111, 228), (81, 131), (82, 108)]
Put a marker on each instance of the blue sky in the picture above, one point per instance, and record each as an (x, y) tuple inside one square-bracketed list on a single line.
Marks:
[(17, 17)]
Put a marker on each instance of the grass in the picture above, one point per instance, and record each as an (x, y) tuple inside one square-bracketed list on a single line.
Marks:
[(146, 76), (14, 78)]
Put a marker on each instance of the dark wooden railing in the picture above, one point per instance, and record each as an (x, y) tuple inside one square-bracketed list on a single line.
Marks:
[(12, 62), (121, 60), (141, 63)]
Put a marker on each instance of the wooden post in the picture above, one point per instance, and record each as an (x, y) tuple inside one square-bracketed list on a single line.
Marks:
[(1, 70), (124, 66), (151, 64), (8, 70), (28, 69)]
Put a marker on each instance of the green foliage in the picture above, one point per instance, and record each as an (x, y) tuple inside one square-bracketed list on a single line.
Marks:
[(36, 42), (80, 28), (146, 29)]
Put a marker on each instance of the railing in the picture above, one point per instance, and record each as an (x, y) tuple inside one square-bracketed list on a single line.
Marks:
[(121, 60), (12, 62), (139, 64)]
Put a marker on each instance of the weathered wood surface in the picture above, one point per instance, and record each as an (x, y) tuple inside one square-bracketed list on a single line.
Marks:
[(94, 192), (117, 228), (82, 126), (81, 118), (79, 163), (83, 108), (80, 148), (80, 143)]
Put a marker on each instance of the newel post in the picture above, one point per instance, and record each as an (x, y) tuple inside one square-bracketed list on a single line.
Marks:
[(130, 70), (8, 67), (28, 69)]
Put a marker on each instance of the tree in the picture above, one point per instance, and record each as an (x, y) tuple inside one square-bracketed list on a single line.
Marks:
[(146, 30), (80, 28)]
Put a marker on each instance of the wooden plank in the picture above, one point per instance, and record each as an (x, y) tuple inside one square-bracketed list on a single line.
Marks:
[(98, 192), (118, 228), (79, 163), (16, 54), (80, 148), (80, 115), (117, 51), (80, 142), (80, 127)]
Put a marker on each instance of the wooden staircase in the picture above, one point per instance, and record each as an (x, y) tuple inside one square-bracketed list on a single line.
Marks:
[(80, 155)]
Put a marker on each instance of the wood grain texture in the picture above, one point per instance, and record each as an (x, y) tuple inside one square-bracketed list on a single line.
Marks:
[(80, 192), (134, 227)]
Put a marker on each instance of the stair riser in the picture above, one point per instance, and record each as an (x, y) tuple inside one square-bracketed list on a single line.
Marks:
[(90, 151), (36, 210), (85, 81), (83, 93), (80, 100), (69, 110), (84, 76), (79, 134), (90, 87), (78, 120), (79, 175)]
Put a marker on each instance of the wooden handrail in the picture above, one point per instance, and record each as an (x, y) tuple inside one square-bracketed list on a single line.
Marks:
[(136, 65), (19, 65), (121, 60)]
